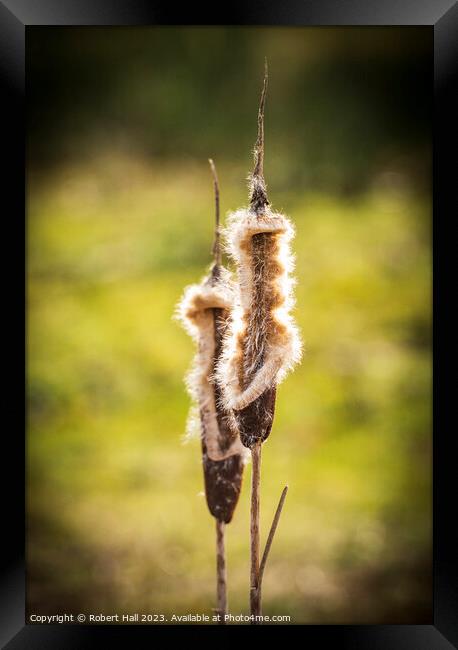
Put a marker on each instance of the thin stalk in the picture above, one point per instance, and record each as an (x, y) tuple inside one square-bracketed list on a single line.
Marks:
[(221, 577), (221, 582), (270, 538), (216, 250), (255, 594), (258, 199), (257, 568), (259, 145)]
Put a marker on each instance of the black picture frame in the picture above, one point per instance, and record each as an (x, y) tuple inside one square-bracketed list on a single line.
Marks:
[(16, 18)]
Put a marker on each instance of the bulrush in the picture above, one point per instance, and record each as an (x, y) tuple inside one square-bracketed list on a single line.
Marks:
[(262, 342), (205, 311)]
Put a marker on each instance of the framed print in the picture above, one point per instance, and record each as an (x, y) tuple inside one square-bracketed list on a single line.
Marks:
[(222, 229)]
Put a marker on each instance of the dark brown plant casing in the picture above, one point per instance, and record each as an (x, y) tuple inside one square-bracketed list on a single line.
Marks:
[(223, 482), (255, 421), (223, 478)]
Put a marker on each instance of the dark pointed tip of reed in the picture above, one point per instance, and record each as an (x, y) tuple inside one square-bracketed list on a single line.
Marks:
[(258, 198), (215, 272), (216, 248)]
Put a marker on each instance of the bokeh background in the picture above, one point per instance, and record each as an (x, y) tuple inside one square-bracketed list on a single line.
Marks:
[(120, 210)]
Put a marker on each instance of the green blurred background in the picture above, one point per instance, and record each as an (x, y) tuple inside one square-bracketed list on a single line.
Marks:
[(120, 208)]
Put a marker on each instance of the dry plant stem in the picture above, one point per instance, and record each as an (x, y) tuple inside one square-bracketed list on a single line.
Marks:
[(270, 538), (221, 583), (258, 202), (255, 594), (259, 198), (216, 243), (221, 576)]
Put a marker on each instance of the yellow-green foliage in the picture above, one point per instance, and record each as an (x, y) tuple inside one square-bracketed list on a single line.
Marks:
[(117, 517)]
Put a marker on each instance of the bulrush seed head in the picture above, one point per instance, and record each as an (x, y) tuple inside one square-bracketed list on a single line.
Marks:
[(204, 311), (262, 342)]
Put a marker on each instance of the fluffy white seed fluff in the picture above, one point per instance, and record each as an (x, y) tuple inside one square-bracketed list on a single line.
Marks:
[(194, 312), (276, 346)]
